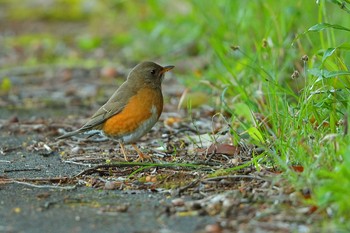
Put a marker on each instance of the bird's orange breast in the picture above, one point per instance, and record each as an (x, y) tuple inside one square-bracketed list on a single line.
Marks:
[(137, 111)]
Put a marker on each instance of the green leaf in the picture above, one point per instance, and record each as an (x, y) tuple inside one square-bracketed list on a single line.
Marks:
[(322, 74), (344, 46), (6, 85), (243, 110), (322, 26), (255, 134), (329, 52)]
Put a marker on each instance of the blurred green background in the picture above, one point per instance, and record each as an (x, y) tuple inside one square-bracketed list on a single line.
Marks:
[(197, 36)]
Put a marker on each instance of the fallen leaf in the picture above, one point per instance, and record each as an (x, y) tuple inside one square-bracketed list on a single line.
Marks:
[(225, 149), (297, 168)]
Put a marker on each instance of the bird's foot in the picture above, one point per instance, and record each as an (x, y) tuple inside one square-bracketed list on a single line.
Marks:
[(143, 157)]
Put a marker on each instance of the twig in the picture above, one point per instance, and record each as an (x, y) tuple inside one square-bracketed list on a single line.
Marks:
[(21, 170), (50, 179), (180, 190), (134, 164), (5, 161), (211, 154), (26, 181), (78, 163), (216, 179), (44, 186), (6, 150)]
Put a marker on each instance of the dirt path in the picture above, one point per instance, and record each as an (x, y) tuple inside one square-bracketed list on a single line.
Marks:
[(36, 206)]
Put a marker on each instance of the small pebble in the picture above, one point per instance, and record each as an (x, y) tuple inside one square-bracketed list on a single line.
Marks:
[(109, 72), (122, 208), (76, 150), (213, 228), (235, 161), (178, 202), (110, 185), (13, 119), (151, 179)]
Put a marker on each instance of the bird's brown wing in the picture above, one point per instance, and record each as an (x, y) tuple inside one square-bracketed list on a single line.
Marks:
[(113, 106), (106, 111)]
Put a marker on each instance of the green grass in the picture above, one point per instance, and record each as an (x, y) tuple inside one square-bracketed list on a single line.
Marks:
[(253, 48)]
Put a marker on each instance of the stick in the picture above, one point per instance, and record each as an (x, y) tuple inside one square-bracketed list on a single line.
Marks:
[(133, 164)]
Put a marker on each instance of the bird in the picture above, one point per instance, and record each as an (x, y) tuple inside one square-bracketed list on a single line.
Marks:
[(132, 110)]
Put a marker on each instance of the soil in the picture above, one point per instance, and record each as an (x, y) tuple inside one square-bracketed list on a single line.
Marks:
[(48, 206)]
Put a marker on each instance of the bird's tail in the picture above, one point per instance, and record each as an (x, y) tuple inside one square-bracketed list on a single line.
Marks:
[(70, 134)]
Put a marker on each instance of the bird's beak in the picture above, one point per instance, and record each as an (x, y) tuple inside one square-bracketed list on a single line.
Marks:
[(166, 69)]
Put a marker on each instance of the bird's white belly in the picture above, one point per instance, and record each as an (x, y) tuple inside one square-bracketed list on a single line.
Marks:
[(141, 130)]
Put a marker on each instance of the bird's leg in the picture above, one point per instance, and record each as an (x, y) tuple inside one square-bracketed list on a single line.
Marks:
[(122, 148), (141, 155)]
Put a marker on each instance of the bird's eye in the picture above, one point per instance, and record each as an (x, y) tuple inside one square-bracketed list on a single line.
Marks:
[(153, 71)]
